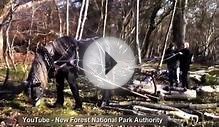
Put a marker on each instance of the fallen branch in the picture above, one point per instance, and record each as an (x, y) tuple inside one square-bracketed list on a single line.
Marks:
[(179, 113), (184, 115), (187, 95), (147, 110), (156, 106), (145, 104), (209, 116)]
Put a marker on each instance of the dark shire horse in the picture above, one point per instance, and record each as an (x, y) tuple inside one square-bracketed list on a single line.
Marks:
[(57, 60)]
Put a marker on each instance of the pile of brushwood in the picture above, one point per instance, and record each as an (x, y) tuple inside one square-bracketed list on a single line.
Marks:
[(196, 106)]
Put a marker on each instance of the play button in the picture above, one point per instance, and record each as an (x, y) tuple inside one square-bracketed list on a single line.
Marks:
[(109, 63)]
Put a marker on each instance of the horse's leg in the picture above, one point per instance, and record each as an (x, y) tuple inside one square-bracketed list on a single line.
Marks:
[(60, 77), (74, 88)]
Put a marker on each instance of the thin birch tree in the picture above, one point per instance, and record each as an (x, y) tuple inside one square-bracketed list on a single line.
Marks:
[(168, 33), (84, 19), (7, 49), (105, 18), (79, 19), (137, 33), (60, 19), (67, 17)]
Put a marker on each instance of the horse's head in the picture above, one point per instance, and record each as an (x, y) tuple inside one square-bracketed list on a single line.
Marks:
[(38, 76)]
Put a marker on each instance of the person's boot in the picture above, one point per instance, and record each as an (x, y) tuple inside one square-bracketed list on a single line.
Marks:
[(169, 92), (104, 103), (184, 89), (78, 106)]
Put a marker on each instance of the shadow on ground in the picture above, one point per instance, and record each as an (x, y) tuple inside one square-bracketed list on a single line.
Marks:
[(10, 90)]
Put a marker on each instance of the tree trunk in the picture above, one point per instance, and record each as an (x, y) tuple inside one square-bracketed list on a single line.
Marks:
[(105, 18), (1, 44), (168, 33), (7, 49), (79, 20), (84, 19), (60, 19), (195, 106), (67, 17), (151, 28), (179, 23), (30, 33), (137, 32)]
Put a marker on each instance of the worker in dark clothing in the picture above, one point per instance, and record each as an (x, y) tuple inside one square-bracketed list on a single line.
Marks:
[(185, 61), (171, 60)]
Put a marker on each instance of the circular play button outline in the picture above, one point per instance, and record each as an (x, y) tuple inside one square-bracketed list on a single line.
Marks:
[(109, 63)]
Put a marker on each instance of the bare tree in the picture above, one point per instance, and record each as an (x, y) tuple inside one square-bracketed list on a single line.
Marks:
[(84, 19), (105, 18), (152, 26), (168, 34), (30, 32), (137, 33), (67, 17), (79, 19), (60, 20), (5, 29), (179, 23)]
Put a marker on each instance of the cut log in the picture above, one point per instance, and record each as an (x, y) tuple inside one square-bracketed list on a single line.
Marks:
[(210, 116), (146, 110), (183, 115), (216, 88), (195, 77), (194, 106), (145, 104), (199, 72), (207, 89), (155, 106), (143, 86), (195, 112), (187, 95), (179, 113)]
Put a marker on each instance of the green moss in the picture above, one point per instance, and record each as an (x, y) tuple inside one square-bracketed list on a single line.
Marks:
[(18, 74), (13, 104), (196, 67), (214, 72), (211, 80)]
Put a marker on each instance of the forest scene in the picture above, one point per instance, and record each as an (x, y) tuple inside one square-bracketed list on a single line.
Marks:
[(184, 88)]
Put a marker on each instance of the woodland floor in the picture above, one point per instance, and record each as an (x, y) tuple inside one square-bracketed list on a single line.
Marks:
[(15, 104)]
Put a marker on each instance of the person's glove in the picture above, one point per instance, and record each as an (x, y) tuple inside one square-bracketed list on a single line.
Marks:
[(180, 53)]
